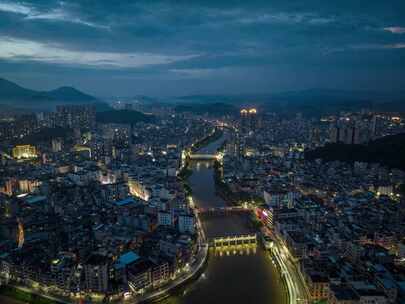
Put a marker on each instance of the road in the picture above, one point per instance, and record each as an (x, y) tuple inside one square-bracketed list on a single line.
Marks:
[(296, 286), (297, 290)]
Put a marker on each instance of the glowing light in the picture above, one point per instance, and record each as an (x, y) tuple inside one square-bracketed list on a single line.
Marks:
[(24, 152)]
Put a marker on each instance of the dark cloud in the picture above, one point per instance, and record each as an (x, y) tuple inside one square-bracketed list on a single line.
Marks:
[(203, 46)]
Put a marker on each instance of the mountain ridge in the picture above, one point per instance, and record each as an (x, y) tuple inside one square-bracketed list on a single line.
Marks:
[(312, 101), (12, 94)]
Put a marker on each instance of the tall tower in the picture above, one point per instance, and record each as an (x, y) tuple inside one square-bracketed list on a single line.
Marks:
[(248, 120)]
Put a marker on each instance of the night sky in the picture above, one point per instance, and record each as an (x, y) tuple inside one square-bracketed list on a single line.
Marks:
[(164, 48)]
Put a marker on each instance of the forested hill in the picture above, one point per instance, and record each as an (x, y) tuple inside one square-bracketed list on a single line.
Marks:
[(388, 150)]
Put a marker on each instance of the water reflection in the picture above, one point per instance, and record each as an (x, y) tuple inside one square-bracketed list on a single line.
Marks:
[(198, 165)]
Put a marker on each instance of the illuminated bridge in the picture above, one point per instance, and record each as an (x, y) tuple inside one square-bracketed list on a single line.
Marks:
[(222, 210), (203, 156), (235, 241)]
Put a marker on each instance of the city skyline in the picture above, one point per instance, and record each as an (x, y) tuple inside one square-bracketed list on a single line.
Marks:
[(169, 48)]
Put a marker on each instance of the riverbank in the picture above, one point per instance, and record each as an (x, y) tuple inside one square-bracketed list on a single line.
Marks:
[(213, 136)]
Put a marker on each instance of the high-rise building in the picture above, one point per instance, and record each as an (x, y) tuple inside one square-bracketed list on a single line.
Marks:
[(56, 145), (248, 120), (334, 134), (186, 223), (348, 135), (26, 124), (18, 127), (76, 116), (96, 273), (375, 126), (165, 218), (315, 136)]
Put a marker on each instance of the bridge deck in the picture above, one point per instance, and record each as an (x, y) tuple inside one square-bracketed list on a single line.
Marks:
[(222, 210), (203, 156), (229, 225)]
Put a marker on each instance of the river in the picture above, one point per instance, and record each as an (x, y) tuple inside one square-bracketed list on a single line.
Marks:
[(249, 277)]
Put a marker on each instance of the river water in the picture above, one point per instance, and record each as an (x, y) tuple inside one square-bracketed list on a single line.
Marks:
[(247, 277)]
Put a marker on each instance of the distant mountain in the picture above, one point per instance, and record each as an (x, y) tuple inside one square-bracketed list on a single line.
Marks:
[(144, 99), (336, 95), (388, 151), (69, 94), (123, 117), (206, 108), (12, 91), (317, 102), (210, 98), (13, 95), (313, 102)]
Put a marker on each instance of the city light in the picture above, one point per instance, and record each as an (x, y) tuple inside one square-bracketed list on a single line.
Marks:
[(24, 152)]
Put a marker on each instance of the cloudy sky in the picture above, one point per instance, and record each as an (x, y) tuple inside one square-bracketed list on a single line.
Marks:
[(165, 48)]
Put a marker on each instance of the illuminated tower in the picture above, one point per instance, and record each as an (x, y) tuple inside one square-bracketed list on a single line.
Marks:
[(248, 120), (244, 120)]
